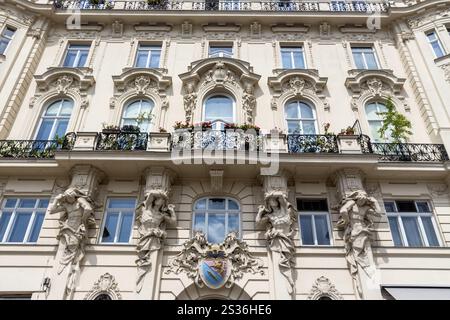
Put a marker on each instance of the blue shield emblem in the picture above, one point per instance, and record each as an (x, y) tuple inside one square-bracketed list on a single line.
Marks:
[(215, 271)]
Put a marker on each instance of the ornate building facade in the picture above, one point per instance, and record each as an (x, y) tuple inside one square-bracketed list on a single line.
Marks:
[(224, 149)]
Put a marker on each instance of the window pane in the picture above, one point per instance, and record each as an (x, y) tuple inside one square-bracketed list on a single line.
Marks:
[(199, 222), (61, 128), (122, 203), (306, 111), (66, 109), (110, 227), (312, 205), (322, 233), (45, 130), (154, 62), (83, 58), (43, 203), (306, 229), (232, 205), (309, 127), (8, 32), (372, 112), (389, 206), (374, 127), (216, 228), (201, 204), (233, 223), (53, 109), (38, 220), (395, 231), (132, 110), (294, 126), (27, 203), (216, 204), (412, 231), (406, 206), (292, 111), (219, 107), (371, 61), (20, 227), (286, 60), (430, 232), (70, 59), (359, 62), (126, 227), (10, 203), (141, 60), (422, 206), (298, 60), (3, 46), (4, 220)]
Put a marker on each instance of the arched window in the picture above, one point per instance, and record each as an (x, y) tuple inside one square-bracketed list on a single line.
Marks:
[(375, 120), (103, 296), (138, 113), (300, 118), (54, 120), (324, 297), (216, 218), (219, 109)]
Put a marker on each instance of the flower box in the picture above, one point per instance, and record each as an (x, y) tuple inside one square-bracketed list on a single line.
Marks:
[(159, 142), (348, 143)]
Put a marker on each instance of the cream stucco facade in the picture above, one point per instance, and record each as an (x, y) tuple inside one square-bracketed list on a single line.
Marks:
[(36, 72)]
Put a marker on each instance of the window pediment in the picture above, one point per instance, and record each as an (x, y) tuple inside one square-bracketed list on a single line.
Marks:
[(297, 80), (61, 79), (141, 80), (374, 81)]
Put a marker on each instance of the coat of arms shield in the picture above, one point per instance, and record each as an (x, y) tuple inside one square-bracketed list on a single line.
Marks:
[(215, 269)]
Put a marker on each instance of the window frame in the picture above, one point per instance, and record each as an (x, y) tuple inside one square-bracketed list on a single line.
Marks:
[(119, 221), (221, 45), (300, 120), (225, 211), (418, 215), (291, 47), (437, 40), (77, 59), (35, 210), (378, 139), (9, 39), (42, 117), (216, 94), (130, 102), (365, 46), (327, 214), (152, 48)]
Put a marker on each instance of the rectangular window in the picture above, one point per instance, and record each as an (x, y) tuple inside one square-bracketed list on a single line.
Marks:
[(220, 50), (314, 222), (411, 223), (435, 44), (5, 38), (292, 58), (364, 58), (148, 56), (119, 220), (21, 219), (76, 55)]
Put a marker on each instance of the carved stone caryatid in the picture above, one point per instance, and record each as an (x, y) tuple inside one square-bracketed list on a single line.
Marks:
[(152, 216), (190, 100), (278, 216), (248, 103), (77, 216), (357, 211), (229, 260)]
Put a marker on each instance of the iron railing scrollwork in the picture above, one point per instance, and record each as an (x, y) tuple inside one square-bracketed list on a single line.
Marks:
[(410, 152), (312, 143), (228, 139), (123, 141)]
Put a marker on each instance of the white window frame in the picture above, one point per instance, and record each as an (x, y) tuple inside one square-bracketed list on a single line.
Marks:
[(299, 120), (362, 46), (313, 214), (221, 45), (291, 49), (119, 222), (12, 220), (437, 40), (380, 139), (150, 48), (219, 120), (418, 215), (58, 117), (122, 118), (77, 58), (225, 212), (9, 39)]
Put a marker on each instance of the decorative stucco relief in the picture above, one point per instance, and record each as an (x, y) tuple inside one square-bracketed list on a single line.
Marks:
[(324, 288), (105, 285)]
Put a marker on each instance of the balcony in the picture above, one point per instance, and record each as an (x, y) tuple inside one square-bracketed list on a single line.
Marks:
[(312, 143), (417, 152), (208, 5), (121, 140)]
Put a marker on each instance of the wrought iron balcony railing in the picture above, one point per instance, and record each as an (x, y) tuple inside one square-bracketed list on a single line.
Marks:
[(120, 140), (410, 152), (229, 139), (312, 143), (233, 5), (37, 149)]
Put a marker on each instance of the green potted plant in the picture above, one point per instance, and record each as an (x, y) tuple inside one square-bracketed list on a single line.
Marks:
[(349, 131), (110, 128)]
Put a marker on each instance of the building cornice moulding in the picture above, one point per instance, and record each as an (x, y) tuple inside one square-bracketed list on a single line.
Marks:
[(221, 28), (374, 80)]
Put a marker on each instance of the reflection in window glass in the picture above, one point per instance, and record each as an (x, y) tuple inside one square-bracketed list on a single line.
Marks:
[(119, 217)]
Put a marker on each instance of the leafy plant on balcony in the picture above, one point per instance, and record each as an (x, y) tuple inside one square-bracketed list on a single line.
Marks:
[(182, 125), (349, 131), (394, 123), (130, 128), (162, 130)]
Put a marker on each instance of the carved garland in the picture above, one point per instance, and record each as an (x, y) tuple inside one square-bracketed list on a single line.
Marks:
[(298, 84)]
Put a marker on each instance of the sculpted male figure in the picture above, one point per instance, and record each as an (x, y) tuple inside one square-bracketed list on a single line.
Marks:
[(278, 216), (77, 215), (152, 216)]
